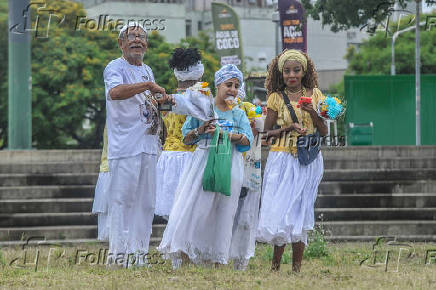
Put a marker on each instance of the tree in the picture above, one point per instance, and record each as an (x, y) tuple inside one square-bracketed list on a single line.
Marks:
[(67, 78), (374, 55), (345, 14)]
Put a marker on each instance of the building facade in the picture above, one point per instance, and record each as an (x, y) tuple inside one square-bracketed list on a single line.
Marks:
[(177, 19)]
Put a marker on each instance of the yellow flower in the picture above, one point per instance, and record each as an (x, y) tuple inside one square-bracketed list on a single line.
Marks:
[(204, 84), (337, 100)]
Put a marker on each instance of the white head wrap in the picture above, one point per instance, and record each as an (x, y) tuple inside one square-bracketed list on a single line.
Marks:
[(227, 72), (131, 24), (241, 91), (193, 73)]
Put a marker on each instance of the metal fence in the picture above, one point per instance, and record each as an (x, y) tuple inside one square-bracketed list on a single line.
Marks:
[(388, 102)]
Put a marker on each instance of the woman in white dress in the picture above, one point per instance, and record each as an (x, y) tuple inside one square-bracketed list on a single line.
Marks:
[(101, 195), (188, 69), (200, 223), (247, 214), (290, 188)]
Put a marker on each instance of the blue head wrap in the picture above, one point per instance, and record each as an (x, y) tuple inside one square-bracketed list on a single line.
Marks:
[(228, 71)]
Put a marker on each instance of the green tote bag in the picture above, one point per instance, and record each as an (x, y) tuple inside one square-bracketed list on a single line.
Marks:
[(218, 171)]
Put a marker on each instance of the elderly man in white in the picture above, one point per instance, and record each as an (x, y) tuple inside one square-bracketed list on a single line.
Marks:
[(133, 144)]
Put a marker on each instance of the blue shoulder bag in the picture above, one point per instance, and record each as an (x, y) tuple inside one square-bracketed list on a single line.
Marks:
[(308, 146)]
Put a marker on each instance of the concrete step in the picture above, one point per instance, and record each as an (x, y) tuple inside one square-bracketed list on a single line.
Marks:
[(84, 155), (377, 152), (54, 219), (60, 232), (48, 179), (385, 163), (50, 167), (396, 200), (52, 205), (366, 214), (154, 242), (47, 191), (47, 219), (385, 176), (380, 228), (38, 156), (379, 174), (49, 232), (380, 186), (399, 238), (329, 163), (372, 152)]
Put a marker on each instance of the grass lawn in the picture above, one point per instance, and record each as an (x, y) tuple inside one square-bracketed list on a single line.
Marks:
[(342, 266)]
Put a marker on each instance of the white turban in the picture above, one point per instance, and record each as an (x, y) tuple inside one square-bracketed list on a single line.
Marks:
[(193, 73), (131, 24)]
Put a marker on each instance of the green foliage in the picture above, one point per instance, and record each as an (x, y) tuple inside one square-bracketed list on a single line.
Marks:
[(268, 254), (67, 77), (317, 247), (2, 259), (345, 14), (67, 85), (374, 55)]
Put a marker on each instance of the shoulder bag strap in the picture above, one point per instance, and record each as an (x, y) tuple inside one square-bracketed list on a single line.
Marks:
[(290, 108)]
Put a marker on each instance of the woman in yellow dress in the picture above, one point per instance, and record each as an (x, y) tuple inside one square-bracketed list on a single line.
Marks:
[(289, 187), (188, 70)]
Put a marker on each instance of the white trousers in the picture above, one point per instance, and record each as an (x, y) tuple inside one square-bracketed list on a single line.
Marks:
[(131, 203)]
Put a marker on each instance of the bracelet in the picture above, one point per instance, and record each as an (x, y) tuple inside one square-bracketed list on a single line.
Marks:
[(196, 133)]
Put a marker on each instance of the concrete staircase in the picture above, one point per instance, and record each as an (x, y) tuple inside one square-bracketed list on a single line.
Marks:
[(366, 192), (369, 192), (49, 194)]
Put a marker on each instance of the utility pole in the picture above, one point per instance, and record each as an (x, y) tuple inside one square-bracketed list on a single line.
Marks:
[(276, 20), (394, 38), (20, 101), (418, 74)]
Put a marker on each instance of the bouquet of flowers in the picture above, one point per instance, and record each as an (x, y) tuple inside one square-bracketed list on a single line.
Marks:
[(331, 108), (196, 101), (304, 100), (202, 87)]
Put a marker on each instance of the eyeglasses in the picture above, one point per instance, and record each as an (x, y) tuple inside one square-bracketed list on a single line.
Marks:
[(132, 37)]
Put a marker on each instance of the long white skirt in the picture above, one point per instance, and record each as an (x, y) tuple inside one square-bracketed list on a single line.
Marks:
[(169, 169), (99, 206), (244, 230), (288, 198), (247, 215), (131, 203), (200, 223)]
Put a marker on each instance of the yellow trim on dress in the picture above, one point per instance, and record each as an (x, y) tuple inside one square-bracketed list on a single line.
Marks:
[(174, 140), (104, 166), (288, 142)]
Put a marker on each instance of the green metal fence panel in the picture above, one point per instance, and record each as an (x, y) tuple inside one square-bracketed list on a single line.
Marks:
[(389, 103), (428, 110)]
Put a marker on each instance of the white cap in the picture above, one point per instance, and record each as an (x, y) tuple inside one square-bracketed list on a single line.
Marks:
[(131, 24)]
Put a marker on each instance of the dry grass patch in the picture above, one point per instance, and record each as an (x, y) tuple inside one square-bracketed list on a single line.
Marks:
[(346, 266)]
